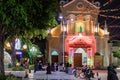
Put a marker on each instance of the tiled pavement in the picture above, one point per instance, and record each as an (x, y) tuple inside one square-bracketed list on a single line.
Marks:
[(102, 75)]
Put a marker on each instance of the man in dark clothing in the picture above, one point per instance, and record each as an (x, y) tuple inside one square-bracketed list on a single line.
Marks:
[(48, 69), (40, 65), (36, 66), (112, 74)]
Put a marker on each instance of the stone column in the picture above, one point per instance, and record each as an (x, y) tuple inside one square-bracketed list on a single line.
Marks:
[(111, 54), (49, 48), (106, 52), (97, 38)]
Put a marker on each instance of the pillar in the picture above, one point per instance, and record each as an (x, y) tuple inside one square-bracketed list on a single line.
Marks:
[(48, 54), (106, 52)]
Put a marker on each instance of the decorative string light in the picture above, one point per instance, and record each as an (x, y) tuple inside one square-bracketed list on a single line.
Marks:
[(106, 16), (110, 1), (110, 10), (106, 3)]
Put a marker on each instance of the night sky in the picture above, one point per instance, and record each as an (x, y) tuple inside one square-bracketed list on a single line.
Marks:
[(113, 23), (111, 5)]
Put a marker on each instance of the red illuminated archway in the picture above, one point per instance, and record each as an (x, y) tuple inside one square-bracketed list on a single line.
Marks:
[(81, 41)]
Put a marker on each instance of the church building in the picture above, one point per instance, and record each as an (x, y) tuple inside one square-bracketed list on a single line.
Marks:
[(79, 40)]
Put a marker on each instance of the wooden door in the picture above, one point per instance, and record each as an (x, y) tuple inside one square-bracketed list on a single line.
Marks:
[(54, 59), (77, 59)]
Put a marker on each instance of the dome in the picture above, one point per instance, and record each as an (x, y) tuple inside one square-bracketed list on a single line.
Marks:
[(56, 31)]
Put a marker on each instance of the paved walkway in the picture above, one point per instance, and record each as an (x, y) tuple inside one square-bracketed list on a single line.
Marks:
[(102, 75)]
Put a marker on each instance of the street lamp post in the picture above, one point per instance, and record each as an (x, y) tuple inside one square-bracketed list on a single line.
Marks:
[(63, 25), (63, 47)]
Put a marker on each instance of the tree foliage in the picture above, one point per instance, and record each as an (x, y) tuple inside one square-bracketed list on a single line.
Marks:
[(22, 17), (117, 53), (26, 18)]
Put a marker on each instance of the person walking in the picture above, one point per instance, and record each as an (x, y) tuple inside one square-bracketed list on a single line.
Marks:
[(112, 74)]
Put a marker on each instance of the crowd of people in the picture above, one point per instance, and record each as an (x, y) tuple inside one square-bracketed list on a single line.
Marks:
[(49, 68), (84, 72), (39, 66), (67, 68)]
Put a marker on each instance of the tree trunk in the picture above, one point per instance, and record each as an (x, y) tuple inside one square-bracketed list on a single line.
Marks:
[(1, 50), (13, 55)]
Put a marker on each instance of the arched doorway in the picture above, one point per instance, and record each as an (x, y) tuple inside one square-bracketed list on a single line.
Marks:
[(79, 57), (54, 57), (84, 46), (7, 59)]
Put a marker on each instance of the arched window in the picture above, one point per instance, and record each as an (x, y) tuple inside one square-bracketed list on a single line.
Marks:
[(54, 53), (80, 29)]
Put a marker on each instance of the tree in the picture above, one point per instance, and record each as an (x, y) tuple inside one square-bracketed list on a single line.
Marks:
[(32, 50), (24, 18), (117, 53)]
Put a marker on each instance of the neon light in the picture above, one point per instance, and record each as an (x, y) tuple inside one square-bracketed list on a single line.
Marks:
[(33, 49), (17, 44), (71, 56), (18, 52), (88, 61), (81, 41), (54, 53)]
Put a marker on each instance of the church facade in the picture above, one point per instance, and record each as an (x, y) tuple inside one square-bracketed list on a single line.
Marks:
[(79, 40)]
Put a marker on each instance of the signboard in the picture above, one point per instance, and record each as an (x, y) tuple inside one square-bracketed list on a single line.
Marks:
[(18, 52), (98, 61)]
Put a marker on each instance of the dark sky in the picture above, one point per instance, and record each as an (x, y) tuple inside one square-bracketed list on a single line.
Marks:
[(111, 5), (113, 24)]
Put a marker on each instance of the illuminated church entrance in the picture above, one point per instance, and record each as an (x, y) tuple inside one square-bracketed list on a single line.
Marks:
[(77, 59), (81, 49)]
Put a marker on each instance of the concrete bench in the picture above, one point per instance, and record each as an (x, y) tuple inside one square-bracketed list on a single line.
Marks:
[(16, 73)]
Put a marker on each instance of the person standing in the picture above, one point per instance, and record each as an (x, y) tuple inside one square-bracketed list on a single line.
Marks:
[(112, 74), (36, 66), (48, 69), (70, 69), (52, 67), (60, 67), (40, 65), (66, 67)]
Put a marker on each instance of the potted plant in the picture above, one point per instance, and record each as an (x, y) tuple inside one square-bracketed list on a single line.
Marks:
[(18, 68), (31, 68), (18, 71)]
